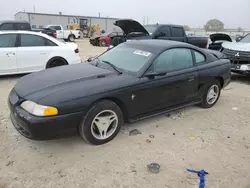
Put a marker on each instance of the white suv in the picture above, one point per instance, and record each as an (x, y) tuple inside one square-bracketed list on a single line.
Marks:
[(27, 51)]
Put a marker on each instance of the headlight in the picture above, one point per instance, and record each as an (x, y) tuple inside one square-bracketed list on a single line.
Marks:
[(39, 110)]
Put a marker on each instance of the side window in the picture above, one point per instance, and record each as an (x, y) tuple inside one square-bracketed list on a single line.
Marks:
[(23, 26), (173, 59), (177, 32), (32, 40), (164, 31), (7, 26), (58, 28), (49, 43), (7, 40), (199, 58)]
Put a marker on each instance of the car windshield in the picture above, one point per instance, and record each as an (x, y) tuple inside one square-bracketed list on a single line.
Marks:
[(126, 57), (150, 28), (246, 39)]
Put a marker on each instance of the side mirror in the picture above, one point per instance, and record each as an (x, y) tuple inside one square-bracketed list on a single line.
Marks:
[(238, 39)]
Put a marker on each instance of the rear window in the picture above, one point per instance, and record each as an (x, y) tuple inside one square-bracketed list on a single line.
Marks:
[(7, 26), (177, 32)]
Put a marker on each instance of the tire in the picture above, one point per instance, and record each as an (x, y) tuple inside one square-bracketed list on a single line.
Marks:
[(102, 43), (56, 62), (101, 111), (71, 38), (206, 103)]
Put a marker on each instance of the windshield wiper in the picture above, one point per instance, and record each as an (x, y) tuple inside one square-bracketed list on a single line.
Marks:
[(113, 66)]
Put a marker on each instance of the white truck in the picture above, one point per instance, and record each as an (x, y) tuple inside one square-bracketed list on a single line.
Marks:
[(61, 33)]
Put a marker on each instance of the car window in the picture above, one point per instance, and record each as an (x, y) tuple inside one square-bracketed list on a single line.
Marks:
[(32, 40), (163, 31), (199, 58), (7, 40), (23, 26), (177, 32), (49, 43), (173, 59), (7, 26), (55, 27)]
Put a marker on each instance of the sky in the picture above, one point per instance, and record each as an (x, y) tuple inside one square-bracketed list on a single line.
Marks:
[(195, 13)]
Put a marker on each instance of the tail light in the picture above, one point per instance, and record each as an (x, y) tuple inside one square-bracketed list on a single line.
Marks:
[(54, 34), (77, 51)]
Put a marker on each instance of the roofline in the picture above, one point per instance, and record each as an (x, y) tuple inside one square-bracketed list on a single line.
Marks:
[(48, 14)]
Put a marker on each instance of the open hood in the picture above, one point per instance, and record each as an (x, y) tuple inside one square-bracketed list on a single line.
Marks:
[(129, 26), (220, 37)]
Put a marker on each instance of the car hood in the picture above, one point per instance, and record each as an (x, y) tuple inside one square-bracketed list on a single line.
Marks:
[(129, 26), (236, 46), (60, 84), (220, 37)]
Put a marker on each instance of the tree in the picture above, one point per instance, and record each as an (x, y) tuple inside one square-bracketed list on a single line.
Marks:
[(186, 28), (214, 25)]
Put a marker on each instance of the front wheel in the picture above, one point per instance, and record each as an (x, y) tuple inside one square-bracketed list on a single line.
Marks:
[(71, 38), (103, 43), (211, 95), (102, 123)]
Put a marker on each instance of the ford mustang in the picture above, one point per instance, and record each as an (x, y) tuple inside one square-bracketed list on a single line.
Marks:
[(132, 81)]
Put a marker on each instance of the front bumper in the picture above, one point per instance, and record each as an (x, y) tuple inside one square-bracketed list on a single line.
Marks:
[(41, 128), (240, 68)]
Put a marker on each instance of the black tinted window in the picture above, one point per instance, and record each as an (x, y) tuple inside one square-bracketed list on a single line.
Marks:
[(32, 40), (7, 40), (55, 27), (199, 58), (49, 43), (7, 26), (177, 32), (23, 26), (163, 31), (174, 59)]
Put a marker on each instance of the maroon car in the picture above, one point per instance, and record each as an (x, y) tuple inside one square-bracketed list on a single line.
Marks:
[(104, 39)]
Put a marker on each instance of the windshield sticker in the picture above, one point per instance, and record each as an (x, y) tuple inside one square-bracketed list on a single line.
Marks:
[(139, 52)]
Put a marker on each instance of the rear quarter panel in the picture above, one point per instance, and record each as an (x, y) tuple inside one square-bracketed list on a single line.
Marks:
[(210, 71)]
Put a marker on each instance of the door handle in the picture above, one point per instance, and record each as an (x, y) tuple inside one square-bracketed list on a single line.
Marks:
[(43, 53), (191, 78)]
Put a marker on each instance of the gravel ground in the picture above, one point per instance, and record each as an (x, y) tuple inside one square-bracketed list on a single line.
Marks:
[(215, 139)]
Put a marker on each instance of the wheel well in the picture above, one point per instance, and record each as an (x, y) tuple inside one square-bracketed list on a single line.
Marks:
[(118, 102), (56, 58), (220, 79), (73, 35)]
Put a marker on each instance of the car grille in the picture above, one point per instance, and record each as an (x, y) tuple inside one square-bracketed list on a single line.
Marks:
[(237, 57)]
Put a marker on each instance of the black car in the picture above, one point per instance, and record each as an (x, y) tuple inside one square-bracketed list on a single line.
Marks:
[(132, 81), (133, 30)]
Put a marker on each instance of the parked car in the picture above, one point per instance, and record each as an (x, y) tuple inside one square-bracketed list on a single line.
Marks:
[(239, 54), (14, 25), (104, 39), (133, 30), (61, 33), (95, 98), (27, 51)]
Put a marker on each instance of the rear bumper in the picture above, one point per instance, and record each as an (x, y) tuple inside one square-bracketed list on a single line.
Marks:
[(79, 60), (240, 68), (42, 128)]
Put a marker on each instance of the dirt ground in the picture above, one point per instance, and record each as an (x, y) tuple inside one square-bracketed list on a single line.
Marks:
[(215, 139)]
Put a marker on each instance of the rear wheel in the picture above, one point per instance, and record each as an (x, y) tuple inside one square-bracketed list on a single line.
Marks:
[(56, 63), (211, 95), (71, 38), (102, 123)]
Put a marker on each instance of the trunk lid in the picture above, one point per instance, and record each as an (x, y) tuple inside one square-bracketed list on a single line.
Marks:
[(129, 26)]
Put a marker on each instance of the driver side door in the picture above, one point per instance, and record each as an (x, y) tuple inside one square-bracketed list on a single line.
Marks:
[(178, 85)]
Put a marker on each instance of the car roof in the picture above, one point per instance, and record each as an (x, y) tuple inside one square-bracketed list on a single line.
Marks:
[(158, 45), (171, 25), (12, 21), (22, 32)]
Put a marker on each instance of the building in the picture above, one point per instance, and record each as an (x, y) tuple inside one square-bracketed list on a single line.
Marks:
[(39, 20)]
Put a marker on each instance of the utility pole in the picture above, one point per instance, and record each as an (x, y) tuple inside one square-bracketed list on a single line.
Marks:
[(99, 14), (143, 20), (34, 8), (147, 20)]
